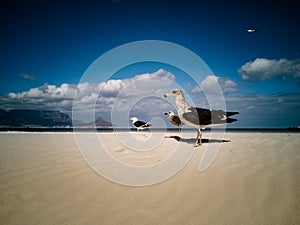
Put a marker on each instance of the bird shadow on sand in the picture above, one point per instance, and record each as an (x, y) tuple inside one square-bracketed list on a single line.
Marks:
[(193, 140)]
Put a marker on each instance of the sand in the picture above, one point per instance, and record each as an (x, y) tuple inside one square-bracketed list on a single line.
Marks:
[(255, 179)]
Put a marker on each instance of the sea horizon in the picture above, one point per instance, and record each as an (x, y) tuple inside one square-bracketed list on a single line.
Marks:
[(130, 129)]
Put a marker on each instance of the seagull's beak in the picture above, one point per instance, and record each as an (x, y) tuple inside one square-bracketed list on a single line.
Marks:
[(167, 94), (171, 93), (130, 119), (166, 113)]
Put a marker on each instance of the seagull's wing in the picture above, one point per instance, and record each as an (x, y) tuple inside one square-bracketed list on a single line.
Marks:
[(142, 124), (198, 116), (176, 119), (202, 116), (139, 123)]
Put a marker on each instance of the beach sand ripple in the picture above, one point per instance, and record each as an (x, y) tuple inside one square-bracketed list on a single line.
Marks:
[(255, 179)]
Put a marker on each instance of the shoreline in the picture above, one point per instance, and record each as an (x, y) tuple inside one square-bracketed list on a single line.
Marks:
[(74, 130)]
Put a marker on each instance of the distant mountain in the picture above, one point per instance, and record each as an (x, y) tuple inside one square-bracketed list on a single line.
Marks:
[(100, 122), (43, 118), (32, 118)]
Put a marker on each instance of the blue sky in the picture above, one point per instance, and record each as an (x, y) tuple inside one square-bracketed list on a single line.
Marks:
[(50, 43)]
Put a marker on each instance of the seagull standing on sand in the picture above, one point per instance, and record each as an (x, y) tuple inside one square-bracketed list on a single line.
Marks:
[(175, 120), (199, 117), (140, 125)]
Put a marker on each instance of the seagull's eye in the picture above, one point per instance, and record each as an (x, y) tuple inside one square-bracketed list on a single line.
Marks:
[(174, 92)]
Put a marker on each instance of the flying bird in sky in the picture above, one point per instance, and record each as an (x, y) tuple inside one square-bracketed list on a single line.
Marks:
[(140, 125), (250, 30), (199, 117)]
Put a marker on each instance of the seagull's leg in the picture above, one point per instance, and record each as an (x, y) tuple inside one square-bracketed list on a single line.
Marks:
[(143, 133), (199, 136)]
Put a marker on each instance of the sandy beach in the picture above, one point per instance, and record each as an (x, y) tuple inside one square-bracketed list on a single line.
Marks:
[(255, 179)]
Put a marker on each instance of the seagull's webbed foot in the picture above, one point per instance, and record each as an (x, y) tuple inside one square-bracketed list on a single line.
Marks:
[(198, 143)]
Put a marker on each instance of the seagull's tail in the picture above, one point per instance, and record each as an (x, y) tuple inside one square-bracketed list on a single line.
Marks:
[(230, 120), (221, 117), (147, 125), (231, 113)]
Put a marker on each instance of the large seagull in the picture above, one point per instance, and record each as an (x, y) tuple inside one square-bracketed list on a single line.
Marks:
[(199, 117)]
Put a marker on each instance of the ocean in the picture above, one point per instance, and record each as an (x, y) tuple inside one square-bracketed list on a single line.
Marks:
[(111, 129)]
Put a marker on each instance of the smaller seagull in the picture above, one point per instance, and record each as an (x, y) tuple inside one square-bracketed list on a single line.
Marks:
[(175, 120), (140, 125)]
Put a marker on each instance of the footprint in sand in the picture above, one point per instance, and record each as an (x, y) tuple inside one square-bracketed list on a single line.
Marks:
[(121, 150), (142, 136)]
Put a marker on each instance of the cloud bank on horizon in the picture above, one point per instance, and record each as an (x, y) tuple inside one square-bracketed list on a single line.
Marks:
[(123, 95), (95, 97)]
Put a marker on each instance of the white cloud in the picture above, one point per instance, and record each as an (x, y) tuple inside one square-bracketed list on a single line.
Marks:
[(137, 85), (262, 69), (97, 97), (46, 93), (212, 84)]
